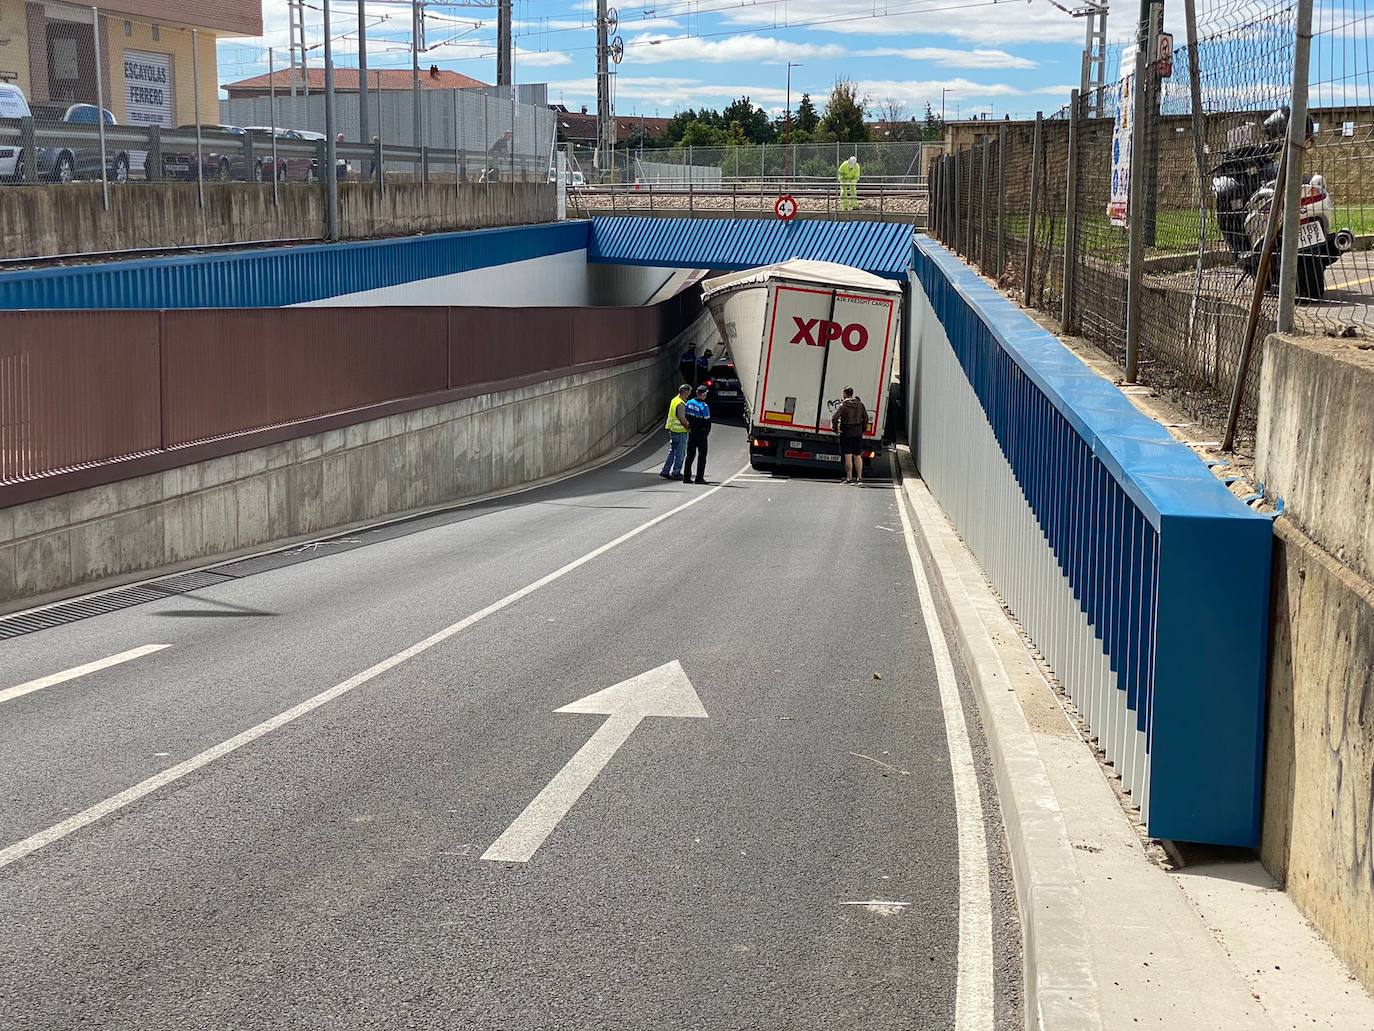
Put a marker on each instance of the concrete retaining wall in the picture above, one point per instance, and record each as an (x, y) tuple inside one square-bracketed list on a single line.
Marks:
[(1315, 449), (1318, 837), (316, 483), (39, 221)]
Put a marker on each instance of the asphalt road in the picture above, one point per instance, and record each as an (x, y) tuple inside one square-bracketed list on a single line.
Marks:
[(279, 820)]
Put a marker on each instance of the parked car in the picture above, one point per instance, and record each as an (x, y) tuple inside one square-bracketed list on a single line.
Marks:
[(724, 389), (79, 160), (221, 158), (295, 167), (12, 105), (340, 165)]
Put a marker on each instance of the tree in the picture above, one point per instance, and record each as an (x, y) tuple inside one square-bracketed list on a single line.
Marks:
[(753, 120), (844, 113), (806, 119), (698, 133), (893, 111), (934, 128)]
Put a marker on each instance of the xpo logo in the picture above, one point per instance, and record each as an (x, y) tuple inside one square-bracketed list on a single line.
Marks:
[(818, 333)]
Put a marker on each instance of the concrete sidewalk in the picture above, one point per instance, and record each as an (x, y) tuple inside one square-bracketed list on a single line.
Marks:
[(1115, 936)]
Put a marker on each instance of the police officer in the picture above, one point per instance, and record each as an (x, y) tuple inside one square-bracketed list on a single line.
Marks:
[(698, 429)]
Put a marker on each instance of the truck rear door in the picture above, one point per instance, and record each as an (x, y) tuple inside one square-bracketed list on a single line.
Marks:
[(793, 357), (859, 353), (819, 341)]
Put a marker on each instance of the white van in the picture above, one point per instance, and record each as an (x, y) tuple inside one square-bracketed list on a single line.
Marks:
[(12, 105)]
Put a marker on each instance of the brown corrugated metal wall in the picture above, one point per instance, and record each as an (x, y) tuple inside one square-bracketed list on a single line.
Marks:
[(84, 388)]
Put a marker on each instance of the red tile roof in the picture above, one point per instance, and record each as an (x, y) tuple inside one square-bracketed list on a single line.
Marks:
[(346, 80)]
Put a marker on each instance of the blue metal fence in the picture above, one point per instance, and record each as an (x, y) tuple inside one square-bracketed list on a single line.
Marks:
[(1139, 577)]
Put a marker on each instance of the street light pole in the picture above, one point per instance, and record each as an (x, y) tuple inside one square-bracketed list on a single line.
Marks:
[(788, 143), (943, 91)]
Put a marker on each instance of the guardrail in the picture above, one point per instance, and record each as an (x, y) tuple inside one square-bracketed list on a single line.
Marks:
[(369, 161), (898, 196), (1142, 581)]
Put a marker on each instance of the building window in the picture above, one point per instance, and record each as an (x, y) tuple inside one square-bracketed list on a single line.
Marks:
[(157, 33), (128, 28)]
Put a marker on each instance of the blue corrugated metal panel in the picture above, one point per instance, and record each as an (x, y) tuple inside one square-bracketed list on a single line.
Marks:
[(730, 244), (1165, 568), (274, 277)]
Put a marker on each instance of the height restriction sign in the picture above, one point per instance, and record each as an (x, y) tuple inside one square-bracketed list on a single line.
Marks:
[(785, 207)]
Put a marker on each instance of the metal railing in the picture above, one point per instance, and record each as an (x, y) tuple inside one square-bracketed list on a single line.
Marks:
[(1142, 581), (897, 197)]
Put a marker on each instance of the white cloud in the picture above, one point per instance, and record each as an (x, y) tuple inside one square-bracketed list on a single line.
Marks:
[(751, 49), (995, 59), (668, 94), (539, 59), (996, 23)]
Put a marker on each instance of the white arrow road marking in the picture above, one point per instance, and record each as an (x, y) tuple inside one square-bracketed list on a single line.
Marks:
[(664, 691), (79, 671), (113, 804)]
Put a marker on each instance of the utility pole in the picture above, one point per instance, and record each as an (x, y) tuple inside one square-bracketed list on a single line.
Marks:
[(1094, 56), (787, 146), (417, 43), (608, 52), (331, 163), (295, 13), (363, 136), (503, 62)]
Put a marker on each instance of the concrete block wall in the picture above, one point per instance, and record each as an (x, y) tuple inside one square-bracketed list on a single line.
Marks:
[(41, 221), (324, 481), (1315, 449)]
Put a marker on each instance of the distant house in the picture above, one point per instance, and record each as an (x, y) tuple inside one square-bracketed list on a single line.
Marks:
[(346, 81), (580, 127)]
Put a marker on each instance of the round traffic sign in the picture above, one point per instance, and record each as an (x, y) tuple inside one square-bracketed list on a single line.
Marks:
[(786, 207)]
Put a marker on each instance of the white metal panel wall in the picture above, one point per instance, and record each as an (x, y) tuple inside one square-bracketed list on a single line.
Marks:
[(959, 458)]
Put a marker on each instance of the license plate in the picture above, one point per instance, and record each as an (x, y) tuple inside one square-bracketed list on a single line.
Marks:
[(727, 393), (1310, 234), (178, 166), (827, 458), (797, 454)]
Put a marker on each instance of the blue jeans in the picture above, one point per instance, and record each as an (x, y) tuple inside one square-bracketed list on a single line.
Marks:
[(677, 452)]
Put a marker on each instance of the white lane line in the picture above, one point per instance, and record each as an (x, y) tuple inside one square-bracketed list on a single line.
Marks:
[(973, 1009), (79, 671), (129, 796)]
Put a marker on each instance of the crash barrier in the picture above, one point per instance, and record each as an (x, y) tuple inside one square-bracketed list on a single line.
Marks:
[(92, 397), (1142, 581)]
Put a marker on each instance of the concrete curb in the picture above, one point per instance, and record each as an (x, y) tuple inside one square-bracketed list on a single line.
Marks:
[(1061, 993)]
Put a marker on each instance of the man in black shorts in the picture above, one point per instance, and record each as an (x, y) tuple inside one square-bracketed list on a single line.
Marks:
[(850, 421)]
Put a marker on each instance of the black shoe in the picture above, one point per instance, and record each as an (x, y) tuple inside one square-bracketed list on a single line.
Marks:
[(666, 476), (699, 480), (676, 476)]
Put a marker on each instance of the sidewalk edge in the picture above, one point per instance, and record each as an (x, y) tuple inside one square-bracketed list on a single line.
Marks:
[(1060, 990)]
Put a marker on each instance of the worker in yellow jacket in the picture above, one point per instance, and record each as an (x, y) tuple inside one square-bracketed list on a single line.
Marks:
[(849, 182)]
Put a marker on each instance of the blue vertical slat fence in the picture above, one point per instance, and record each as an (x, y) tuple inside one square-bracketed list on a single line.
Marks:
[(1142, 580)]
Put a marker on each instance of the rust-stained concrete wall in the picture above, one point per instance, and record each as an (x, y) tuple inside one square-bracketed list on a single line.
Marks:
[(1315, 449), (1318, 836), (42, 221)]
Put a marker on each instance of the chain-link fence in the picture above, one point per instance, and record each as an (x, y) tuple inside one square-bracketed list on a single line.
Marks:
[(747, 178), (93, 95), (1189, 310)]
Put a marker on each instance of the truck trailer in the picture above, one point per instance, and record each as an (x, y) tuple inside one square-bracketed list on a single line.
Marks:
[(799, 333)]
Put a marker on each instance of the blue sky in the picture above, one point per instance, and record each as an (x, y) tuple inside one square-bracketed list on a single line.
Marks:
[(1009, 56)]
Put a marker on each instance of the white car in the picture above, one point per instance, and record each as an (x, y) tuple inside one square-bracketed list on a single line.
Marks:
[(12, 105)]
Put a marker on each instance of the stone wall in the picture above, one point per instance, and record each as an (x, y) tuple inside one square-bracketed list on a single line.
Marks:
[(44, 221), (324, 481)]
